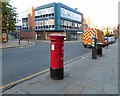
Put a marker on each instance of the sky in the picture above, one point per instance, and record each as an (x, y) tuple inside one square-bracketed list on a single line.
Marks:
[(100, 12)]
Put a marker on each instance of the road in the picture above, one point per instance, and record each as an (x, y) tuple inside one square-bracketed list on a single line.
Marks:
[(17, 63)]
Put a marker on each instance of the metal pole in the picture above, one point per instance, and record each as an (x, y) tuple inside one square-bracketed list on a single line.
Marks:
[(28, 38), (20, 30), (118, 31), (19, 34)]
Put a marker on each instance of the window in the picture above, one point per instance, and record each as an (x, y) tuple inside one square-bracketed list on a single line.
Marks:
[(35, 13), (52, 14), (46, 15), (75, 24), (45, 23), (51, 22), (52, 26), (65, 23), (45, 12), (43, 16), (40, 12), (47, 26), (51, 10), (62, 22), (38, 27), (69, 23)]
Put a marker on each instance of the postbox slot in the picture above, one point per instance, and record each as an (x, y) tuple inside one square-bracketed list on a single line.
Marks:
[(52, 40)]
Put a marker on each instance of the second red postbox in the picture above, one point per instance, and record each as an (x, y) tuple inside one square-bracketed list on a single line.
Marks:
[(57, 56)]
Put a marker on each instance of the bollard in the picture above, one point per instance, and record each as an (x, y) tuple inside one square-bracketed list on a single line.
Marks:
[(99, 49), (94, 49), (56, 56)]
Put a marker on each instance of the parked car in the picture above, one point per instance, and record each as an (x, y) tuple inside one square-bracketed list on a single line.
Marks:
[(106, 43), (111, 40)]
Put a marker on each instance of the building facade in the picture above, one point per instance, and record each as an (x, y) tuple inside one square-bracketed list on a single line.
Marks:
[(28, 24), (56, 18)]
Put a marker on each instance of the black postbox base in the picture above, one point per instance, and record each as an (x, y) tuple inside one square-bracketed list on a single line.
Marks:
[(99, 51), (94, 53), (57, 74)]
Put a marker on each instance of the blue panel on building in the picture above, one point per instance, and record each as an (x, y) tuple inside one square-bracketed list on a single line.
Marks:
[(71, 9)]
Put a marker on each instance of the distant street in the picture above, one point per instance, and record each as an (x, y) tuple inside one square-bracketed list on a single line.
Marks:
[(18, 63)]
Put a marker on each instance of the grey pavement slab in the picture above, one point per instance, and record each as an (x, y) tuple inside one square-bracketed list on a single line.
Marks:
[(15, 43), (17, 88), (90, 91), (110, 89), (72, 88), (38, 88), (82, 76)]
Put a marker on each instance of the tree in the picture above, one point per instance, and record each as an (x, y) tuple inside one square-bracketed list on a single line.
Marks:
[(9, 16), (0, 22)]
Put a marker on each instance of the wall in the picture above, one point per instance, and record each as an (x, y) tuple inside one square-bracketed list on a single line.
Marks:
[(26, 35)]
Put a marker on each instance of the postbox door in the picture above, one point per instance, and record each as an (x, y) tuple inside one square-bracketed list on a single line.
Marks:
[(56, 55)]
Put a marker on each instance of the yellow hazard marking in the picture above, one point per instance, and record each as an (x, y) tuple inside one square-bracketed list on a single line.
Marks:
[(26, 78)]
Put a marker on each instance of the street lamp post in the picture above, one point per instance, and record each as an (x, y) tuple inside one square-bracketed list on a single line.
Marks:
[(28, 38), (20, 30), (19, 35)]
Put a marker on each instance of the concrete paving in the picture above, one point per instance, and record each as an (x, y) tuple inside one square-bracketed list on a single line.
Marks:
[(15, 44), (82, 76)]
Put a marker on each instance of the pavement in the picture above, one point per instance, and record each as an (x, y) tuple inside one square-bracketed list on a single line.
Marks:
[(15, 44), (83, 75)]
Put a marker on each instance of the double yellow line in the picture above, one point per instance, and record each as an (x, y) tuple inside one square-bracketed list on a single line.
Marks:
[(21, 80)]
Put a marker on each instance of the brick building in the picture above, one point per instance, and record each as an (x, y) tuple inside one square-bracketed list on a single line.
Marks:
[(28, 24)]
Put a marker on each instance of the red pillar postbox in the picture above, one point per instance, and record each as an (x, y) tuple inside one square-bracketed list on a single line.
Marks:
[(56, 56)]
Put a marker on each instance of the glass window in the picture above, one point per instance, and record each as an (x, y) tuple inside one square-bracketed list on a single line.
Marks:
[(46, 22), (43, 22), (50, 26), (62, 22), (49, 11), (43, 16), (69, 23), (65, 23), (24, 24), (52, 10), (40, 12), (40, 23), (52, 14), (45, 12), (51, 22), (46, 15), (35, 13), (75, 24), (46, 26), (35, 23)]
